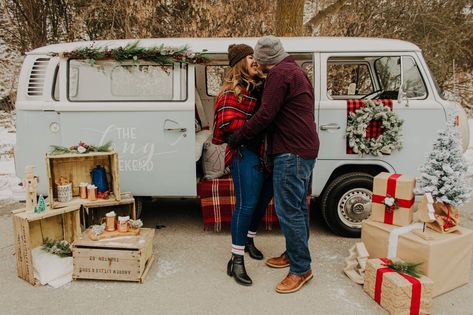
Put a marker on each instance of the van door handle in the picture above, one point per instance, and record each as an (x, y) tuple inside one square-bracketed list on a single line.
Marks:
[(330, 126), (176, 129)]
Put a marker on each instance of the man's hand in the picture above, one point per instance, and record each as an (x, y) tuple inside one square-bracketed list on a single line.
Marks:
[(232, 141)]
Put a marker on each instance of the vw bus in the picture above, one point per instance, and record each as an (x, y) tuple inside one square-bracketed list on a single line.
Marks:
[(149, 112)]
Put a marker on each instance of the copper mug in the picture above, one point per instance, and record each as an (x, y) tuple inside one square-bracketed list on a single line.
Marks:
[(110, 220), (83, 190), (122, 225), (92, 192)]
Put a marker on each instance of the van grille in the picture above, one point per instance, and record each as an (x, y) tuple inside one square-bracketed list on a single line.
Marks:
[(37, 76)]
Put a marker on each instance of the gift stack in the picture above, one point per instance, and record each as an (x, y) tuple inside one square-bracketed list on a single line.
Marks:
[(440, 248)]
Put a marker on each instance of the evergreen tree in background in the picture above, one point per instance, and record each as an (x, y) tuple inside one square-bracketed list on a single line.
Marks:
[(443, 174)]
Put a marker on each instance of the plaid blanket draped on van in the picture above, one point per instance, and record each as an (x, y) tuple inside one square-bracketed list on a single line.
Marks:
[(217, 201)]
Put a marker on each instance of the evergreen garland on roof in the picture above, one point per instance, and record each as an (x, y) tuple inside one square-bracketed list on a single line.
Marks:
[(161, 55)]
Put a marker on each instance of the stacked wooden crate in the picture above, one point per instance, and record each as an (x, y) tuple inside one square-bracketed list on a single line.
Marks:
[(124, 259), (32, 229), (76, 168)]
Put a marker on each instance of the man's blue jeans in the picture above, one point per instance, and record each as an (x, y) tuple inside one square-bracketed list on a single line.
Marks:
[(253, 191), (291, 175)]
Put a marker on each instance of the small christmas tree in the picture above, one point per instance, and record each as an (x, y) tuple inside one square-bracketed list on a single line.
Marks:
[(41, 205), (443, 174)]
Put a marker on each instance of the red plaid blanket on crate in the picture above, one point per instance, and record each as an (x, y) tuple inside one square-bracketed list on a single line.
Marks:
[(217, 201), (374, 127)]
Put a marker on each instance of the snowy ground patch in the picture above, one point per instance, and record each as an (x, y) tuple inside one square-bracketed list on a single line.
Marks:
[(9, 189)]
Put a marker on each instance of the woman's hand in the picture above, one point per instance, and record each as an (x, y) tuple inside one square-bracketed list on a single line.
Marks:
[(231, 141)]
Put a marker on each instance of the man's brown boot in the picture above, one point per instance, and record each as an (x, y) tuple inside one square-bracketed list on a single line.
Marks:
[(293, 283), (278, 262)]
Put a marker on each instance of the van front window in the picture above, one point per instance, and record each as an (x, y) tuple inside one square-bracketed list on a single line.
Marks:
[(388, 71), (111, 81)]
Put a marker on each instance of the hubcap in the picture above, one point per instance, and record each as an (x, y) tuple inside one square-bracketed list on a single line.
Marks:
[(354, 207)]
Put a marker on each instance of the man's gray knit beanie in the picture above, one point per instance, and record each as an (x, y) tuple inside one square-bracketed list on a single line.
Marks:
[(269, 51)]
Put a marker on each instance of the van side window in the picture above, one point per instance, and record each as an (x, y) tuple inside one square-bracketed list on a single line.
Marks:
[(348, 79), (214, 75), (111, 81), (413, 82), (388, 71)]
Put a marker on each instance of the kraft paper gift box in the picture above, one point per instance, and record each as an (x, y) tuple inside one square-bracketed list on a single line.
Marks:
[(397, 293), (401, 188), (446, 258)]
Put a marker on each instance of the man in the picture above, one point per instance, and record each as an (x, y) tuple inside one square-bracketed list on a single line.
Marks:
[(287, 108)]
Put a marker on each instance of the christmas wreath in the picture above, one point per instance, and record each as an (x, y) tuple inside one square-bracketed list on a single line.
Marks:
[(391, 130)]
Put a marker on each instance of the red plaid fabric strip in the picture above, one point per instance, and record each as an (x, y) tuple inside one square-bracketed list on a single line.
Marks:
[(374, 127), (217, 201)]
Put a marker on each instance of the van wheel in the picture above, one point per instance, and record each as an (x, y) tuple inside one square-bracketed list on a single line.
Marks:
[(346, 202)]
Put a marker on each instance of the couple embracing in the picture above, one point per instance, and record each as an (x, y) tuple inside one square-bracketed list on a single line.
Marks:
[(265, 113)]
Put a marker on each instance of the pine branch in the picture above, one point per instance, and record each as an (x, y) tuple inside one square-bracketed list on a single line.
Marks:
[(57, 149), (105, 147), (59, 248), (408, 268), (161, 55)]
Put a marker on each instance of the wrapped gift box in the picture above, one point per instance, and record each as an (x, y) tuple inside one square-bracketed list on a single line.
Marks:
[(446, 257), (397, 293), (401, 188)]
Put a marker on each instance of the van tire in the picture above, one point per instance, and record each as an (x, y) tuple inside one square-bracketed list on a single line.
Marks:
[(139, 206), (346, 202)]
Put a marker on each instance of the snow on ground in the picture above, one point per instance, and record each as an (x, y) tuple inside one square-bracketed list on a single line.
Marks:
[(11, 192), (9, 189)]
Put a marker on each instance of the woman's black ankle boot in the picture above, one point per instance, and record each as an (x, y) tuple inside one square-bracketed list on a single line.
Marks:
[(236, 269), (252, 250)]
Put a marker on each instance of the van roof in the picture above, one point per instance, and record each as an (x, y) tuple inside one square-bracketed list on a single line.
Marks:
[(220, 45)]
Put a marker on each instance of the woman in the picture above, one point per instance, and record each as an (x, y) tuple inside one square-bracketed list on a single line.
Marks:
[(236, 102)]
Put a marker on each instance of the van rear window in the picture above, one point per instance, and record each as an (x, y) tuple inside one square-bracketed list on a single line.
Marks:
[(111, 81)]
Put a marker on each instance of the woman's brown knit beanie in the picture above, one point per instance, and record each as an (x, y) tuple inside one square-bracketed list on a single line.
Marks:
[(238, 52)]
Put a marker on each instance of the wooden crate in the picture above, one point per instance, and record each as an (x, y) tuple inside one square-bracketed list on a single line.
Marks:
[(77, 168), (123, 259), (94, 212), (32, 229)]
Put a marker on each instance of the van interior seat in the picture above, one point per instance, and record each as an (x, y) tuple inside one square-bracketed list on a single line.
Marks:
[(204, 132)]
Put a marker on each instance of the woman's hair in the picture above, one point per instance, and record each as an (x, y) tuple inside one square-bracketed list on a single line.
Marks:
[(238, 77)]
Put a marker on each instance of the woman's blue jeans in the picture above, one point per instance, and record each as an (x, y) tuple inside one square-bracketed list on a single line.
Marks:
[(253, 192), (291, 175)]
